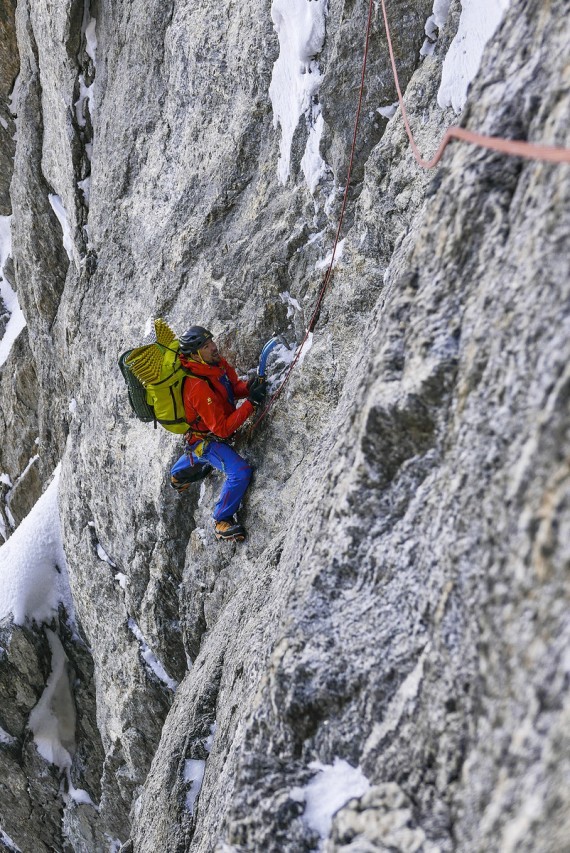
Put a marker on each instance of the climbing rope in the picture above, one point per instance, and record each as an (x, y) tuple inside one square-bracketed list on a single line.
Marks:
[(511, 147), (328, 274)]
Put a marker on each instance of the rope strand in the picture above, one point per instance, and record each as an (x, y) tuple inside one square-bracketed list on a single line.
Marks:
[(515, 148), (511, 147), (328, 274)]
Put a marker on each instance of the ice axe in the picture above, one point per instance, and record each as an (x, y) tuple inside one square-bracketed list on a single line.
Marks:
[(261, 378), (258, 385), (269, 346)]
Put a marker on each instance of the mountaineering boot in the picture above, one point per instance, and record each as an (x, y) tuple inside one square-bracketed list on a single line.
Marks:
[(228, 528)]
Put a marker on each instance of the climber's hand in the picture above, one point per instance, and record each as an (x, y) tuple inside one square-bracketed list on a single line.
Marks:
[(257, 390)]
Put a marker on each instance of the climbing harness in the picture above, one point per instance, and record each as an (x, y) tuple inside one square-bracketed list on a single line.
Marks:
[(510, 147)]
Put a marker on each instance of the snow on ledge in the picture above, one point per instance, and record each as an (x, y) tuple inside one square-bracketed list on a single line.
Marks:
[(17, 321), (150, 659), (296, 77), (33, 568), (477, 25), (328, 791), (52, 721), (8, 843), (194, 770), (324, 263), (54, 733), (91, 40), (60, 212)]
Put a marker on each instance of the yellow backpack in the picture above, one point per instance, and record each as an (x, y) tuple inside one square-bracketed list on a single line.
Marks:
[(155, 380)]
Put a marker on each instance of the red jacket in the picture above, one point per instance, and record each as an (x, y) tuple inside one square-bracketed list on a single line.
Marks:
[(209, 406)]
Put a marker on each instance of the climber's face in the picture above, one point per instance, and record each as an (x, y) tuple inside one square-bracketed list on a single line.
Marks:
[(209, 352)]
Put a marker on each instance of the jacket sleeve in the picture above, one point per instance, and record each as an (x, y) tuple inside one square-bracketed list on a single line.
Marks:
[(240, 388), (206, 404)]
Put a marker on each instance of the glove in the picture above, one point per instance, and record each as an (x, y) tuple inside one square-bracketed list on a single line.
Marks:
[(257, 390)]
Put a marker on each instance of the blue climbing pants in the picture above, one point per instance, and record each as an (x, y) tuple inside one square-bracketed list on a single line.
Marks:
[(238, 474)]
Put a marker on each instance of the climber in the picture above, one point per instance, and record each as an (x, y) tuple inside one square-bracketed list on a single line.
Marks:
[(210, 390)]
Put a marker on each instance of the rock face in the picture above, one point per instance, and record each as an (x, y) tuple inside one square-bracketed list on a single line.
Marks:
[(401, 603), (8, 73)]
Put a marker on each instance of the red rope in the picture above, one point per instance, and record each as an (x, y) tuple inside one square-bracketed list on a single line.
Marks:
[(328, 274), (495, 143)]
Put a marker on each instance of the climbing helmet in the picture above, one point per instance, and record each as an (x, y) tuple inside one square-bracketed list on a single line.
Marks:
[(194, 339)]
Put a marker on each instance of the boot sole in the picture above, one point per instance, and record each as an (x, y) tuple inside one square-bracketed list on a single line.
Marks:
[(236, 537)]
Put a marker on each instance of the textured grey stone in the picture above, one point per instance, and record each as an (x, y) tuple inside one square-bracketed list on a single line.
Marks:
[(8, 72), (31, 805), (401, 601)]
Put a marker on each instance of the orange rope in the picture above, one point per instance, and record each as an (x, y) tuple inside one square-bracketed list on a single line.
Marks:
[(515, 148), (495, 143)]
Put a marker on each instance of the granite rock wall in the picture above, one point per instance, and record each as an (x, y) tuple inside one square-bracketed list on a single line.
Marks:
[(401, 602)]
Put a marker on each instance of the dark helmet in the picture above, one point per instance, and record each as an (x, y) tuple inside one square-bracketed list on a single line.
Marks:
[(194, 339)]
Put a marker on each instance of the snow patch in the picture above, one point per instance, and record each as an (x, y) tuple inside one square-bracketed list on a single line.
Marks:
[(317, 235), (305, 347), (85, 97), (280, 360), (17, 321), (389, 110), (102, 554), (52, 721), (33, 568), (440, 13), (59, 210), (296, 78), (6, 738), (290, 302), (149, 658), (331, 789), (405, 697), (325, 262), (79, 795), (10, 517), (193, 774), (8, 496), (427, 48), (477, 25), (85, 187), (31, 461), (8, 843), (14, 96), (91, 41), (434, 25), (122, 580), (208, 743), (88, 30), (313, 166)]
